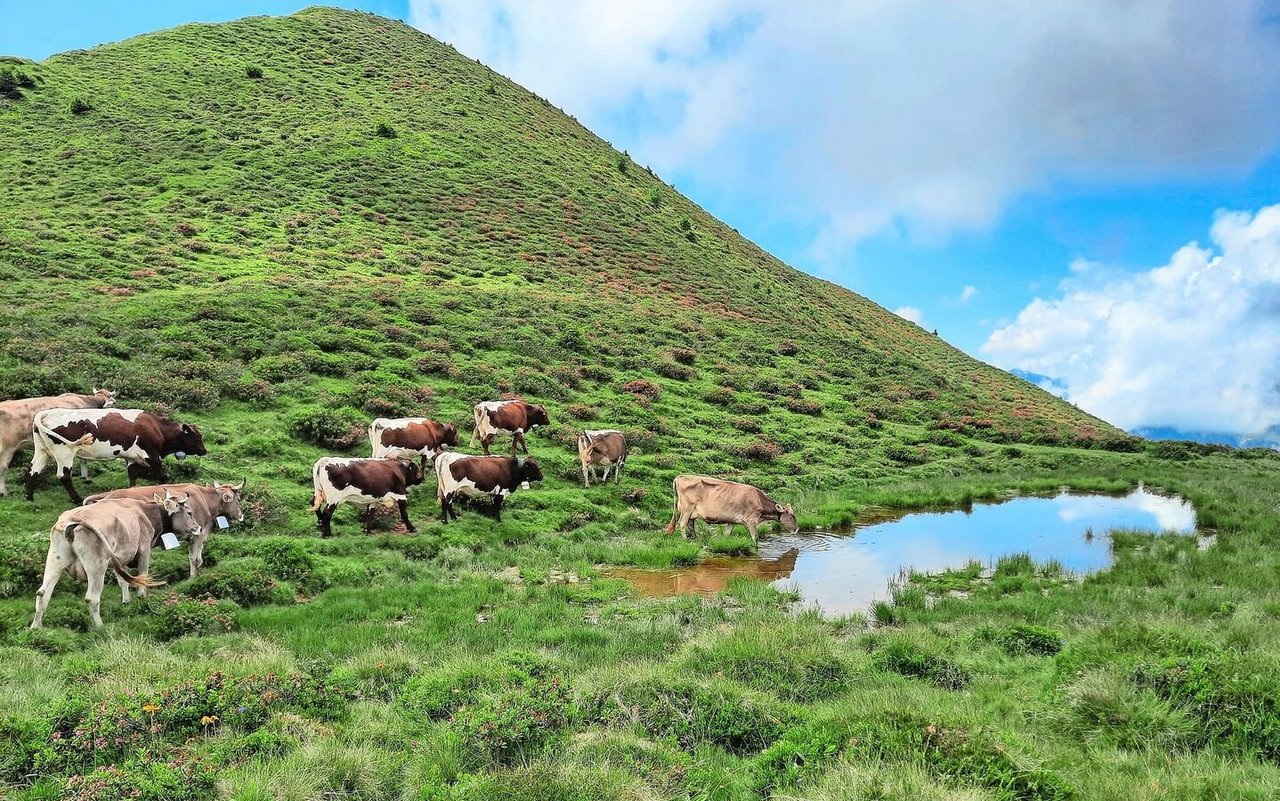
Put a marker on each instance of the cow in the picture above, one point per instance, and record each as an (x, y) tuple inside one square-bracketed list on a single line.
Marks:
[(140, 438), (363, 482), (16, 417), (712, 500), (606, 447), (87, 540), (514, 417), (406, 437), (207, 504), (493, 477)]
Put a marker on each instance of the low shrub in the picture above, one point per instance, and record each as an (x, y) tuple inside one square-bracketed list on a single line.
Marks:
[(253, 71), (684, 355), (787, 348), (179, 616), (247, 581), (906, 658), (674, 370), (756, 450), (1031, 640), (504, 724), (803, 406), (21, 565), (1109, 708), (693, 712), (286, 558), (340, 429), (800, 754), (793, 660), (175, 776), (748, 424), (80, 106), (641, 387), (385, 131)]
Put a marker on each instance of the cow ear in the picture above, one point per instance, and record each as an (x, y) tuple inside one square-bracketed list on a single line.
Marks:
[(780, 507), (186, 429), (155, 496)]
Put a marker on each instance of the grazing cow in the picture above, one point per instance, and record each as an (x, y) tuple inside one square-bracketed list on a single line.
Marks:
[(494, 477), (407, 437), (363, 482), (16, 417), (140, 438), (514, 417), (715, 501), (207, 504), (606, 447), (88, 539)]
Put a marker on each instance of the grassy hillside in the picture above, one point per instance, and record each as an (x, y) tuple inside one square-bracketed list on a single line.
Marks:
[(280, 227)]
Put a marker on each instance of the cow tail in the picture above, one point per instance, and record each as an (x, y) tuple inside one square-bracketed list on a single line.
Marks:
[(475, 431), (375, 438), (141, 581), (675, 509)]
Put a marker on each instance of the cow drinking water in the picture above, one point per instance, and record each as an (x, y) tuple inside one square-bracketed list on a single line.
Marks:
[(713, 500)]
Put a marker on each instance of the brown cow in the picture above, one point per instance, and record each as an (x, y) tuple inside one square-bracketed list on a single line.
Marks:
[(715, 501), (406, 437), (363, 482), (607, 447), (493, 477), (89, 539), (514, 417), (16, 417), (140, 438), (207, 505)]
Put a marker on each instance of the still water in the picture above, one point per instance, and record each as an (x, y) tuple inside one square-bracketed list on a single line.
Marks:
[(846, 572)]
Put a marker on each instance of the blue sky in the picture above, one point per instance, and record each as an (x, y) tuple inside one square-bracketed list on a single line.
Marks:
[(1023, 178)]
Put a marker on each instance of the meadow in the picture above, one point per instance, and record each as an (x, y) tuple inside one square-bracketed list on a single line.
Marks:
[(280, 228)]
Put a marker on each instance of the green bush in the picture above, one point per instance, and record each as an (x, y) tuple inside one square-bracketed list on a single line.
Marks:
[(247, 581), (906, 658), (385, 131), (329, 428), (287, 559), (1033, 640), (21, 565), (253, 71), (504, 724), (260, 744), (800, 754), (695, 712), (79, 106), (169, 777), (178, 616), (793, 660), (675, 370)]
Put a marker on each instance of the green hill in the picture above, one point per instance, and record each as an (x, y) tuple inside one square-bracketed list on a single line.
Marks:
[(281, 227), (212, 230)]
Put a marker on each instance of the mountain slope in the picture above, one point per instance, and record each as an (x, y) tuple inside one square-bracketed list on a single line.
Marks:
[(344, 208)]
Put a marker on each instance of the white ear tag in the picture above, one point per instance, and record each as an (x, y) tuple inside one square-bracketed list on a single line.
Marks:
[(180, 455), (524, 485), (221, 521), (170, 540)]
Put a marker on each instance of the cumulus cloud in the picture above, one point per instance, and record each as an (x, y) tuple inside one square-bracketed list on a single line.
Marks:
[(856, 118), (967, 294), (1193, 344), (910, 313)]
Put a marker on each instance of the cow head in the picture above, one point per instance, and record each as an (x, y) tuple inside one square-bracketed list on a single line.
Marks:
[(229, 500), (412, 472), (188, 441), (787, 518), (527, 469), (181, 518), (105, 396), (450, 436), (538, 416)]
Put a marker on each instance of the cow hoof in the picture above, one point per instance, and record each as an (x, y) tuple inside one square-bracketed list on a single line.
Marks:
[(410, 529)]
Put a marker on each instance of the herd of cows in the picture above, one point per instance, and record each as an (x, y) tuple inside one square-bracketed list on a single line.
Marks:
[(117, 530)]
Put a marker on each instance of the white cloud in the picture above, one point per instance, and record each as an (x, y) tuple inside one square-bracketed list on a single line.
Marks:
[(910, 313), (1194, 344), (854, 118), (967, 294)]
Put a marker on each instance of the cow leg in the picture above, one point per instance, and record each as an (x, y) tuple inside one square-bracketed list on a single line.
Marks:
[(617, 472), (524, 446), (585, 468), (686, 522), (124, 589), (728, 529), (324, 519), (6, 456), (422, 464), (195, 554), (38, 463), (156, 462), (485, 442), (84, 469), (135, 470), (64, 475), (497, 507), (53, 567), (753, 526), (404, 514), (94, 593), (368, 518), (144, 568)]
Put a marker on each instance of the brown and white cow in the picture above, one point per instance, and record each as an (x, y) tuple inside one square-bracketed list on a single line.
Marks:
[(514, 417), (140, 438), (493, 477), (713, 500), (407, 437), (16, 417), (362, 482), (607, 447), (89, 539), (213, 507)]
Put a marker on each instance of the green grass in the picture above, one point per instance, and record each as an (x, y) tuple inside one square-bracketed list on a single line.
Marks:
[(248, 252)]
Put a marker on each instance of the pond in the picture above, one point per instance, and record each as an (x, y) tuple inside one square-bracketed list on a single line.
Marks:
[(845, 572)]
